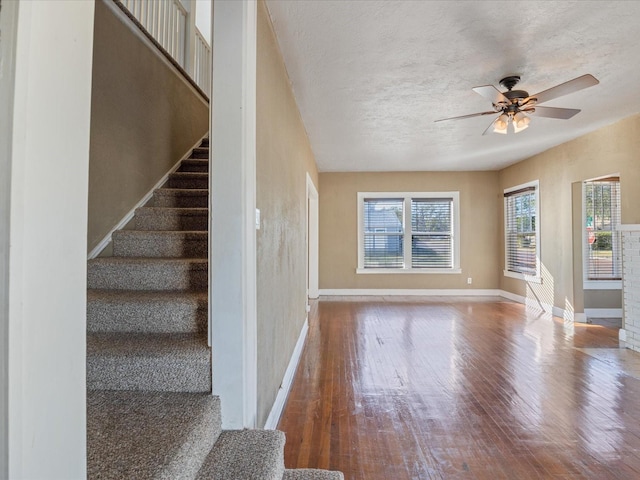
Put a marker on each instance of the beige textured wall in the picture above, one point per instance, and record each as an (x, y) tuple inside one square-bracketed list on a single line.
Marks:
[(479, 210), (283, 158), (143, 119), (612, 149)]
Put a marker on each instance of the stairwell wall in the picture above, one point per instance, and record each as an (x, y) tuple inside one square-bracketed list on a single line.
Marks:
[(144, 117), (283, 159)]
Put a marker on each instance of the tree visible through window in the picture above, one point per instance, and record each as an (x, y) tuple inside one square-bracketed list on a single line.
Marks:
[(602, 218)]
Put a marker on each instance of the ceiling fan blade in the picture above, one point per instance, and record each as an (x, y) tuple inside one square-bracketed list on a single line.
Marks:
[(566, 88), (553, 112), (467, 116), (492, 94)]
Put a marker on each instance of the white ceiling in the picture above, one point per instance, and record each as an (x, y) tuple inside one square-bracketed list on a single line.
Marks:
[(370, 77)]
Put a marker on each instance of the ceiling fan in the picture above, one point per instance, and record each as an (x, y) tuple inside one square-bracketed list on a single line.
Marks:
[(514, 106)]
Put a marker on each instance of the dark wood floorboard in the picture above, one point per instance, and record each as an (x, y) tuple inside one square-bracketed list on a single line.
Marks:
[(446, 388)]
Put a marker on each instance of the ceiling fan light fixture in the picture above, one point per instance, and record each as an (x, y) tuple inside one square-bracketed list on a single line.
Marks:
[(501, 124), (521, 121)]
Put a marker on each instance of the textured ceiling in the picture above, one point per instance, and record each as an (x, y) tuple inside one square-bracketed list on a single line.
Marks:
[(370, 77)]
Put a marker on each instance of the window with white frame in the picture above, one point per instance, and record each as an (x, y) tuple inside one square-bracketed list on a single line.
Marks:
[(408, 232), (603, 249), (522, 231)]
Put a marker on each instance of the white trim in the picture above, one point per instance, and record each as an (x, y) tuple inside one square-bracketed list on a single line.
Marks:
[(232, 203), (287, 381), (523, 276), (596, 284), (580, 317), (622, 335), (127, 22), (449, 292), (406, 228), (602, 284), (629, 227), (312, 231), (9, 29), (536, 185), (603, 312), (419, 271), (127, 218)]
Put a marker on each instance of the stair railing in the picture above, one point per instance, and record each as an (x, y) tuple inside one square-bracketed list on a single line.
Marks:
[(171, 23)]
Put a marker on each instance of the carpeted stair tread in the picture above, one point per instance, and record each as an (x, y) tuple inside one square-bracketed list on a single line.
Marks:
[(136, 273), (311, 474), (181, 198), (245, 455), (161, 362), (160, 243), (169, 218), (146, 311), (188, 180), (194, 165), (200, 152), (140, 435)]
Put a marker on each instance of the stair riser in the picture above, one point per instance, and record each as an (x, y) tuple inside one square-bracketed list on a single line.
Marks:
[(194, 167), (147, 317), (162, 276), (180, 201), (149, 374), (188, 182), (172, 222), (154, 247)]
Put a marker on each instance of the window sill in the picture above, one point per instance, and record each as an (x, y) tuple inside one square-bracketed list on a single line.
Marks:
[(602, 284), (419, 271), (522, 276)]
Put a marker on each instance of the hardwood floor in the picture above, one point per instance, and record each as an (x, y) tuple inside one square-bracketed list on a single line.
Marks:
[(448, 388)]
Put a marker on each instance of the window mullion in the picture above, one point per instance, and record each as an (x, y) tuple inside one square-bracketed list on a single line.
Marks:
[(408, 232)]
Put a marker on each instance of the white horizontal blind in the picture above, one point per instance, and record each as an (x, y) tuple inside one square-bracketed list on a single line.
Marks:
[(383, 233), (602, 215), (431, 233), (521, 225)]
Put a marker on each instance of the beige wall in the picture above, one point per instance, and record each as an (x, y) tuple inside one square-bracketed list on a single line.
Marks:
[(613, 149), (144, 118), (283, 159), (479, 211)]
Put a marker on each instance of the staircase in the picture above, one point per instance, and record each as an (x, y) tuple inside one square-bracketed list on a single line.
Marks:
[(150, 412)]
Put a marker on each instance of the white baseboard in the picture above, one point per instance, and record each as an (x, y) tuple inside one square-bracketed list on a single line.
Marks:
[(580, 317), (603, 312), (622, 335), (462, 292), (450, 292), (127, 218), (285, 386)]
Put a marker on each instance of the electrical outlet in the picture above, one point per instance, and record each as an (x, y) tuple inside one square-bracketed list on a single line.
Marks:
[(469, 281)]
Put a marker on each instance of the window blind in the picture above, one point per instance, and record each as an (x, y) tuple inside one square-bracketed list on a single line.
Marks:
[(521, 227), (383, 233), (602, 216), (431, 233)]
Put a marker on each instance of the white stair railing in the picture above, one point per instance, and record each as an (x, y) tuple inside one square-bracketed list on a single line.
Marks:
[(202, 63), (173, 26)]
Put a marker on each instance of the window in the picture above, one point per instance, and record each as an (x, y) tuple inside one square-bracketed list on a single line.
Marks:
[(522, 232), (602, 246), (408, 232)]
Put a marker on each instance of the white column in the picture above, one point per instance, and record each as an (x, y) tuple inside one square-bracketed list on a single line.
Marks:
[(232, 256), (630, 333), (48, 250)]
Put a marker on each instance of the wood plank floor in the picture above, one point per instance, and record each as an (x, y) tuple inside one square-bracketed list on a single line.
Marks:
[(447, 388)]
